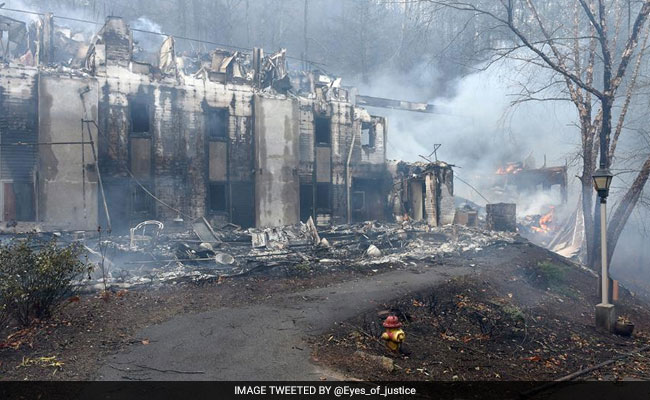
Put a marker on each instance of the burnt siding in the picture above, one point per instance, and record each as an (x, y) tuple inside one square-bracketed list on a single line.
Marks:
[(240, 149), (170, 157), (114, 123), (194, 194), (18, 123)]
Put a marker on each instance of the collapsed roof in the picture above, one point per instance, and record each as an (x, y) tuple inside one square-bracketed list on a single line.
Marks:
[(46, 44)]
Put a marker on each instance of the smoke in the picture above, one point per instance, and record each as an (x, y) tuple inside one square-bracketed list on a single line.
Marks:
[(146, 24), (480, 129), (478, 125), (146, 42), (58, 10), (632, 256), (19, 5)]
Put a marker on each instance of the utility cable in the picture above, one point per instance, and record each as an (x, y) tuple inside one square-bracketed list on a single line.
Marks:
[(465, 182), (154, 197), (128, 171)]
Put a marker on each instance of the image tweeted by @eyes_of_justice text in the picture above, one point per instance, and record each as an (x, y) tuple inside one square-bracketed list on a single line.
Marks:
[(339, 391)]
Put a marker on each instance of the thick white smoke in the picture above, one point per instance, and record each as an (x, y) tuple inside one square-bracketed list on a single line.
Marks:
[(478, 126)]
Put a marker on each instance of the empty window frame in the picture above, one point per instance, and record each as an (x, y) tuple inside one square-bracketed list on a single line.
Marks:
[(216, 123), (139, 111), (323, 196), (17, 200), (358, 201), (306, 201), (217, 197), (368, 134), (322, 131), (142, 202), (242, 208)]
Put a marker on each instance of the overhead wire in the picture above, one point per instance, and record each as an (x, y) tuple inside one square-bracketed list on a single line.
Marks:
[(128, 171), (468, 184)]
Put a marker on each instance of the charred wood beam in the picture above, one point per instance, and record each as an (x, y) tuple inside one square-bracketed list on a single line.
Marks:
[(371, 101)]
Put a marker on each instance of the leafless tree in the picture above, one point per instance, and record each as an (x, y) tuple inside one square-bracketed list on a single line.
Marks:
[(596, 61)]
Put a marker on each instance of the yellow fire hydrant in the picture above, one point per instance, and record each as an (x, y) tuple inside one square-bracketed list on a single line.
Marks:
[(394, 336)]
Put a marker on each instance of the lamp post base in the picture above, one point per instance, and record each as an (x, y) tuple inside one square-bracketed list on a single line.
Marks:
[(605, 317)]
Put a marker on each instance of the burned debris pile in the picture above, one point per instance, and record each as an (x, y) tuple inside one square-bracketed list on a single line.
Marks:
[(169, 257)]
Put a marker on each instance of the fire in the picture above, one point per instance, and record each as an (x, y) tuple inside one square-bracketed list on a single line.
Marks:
[(544, 222), (511, 168)]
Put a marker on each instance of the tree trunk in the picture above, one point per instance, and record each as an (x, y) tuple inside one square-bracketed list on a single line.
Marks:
[(588, 190), (625, 208)]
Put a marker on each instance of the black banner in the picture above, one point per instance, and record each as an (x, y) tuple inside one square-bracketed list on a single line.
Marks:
[(324, 390)]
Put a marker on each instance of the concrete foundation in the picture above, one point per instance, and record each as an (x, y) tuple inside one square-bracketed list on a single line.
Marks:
[(605, 317)]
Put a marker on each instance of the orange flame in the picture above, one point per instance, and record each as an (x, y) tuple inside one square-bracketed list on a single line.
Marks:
[(544, 222), (511, 168)]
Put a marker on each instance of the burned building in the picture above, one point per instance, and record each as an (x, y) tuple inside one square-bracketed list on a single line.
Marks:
[(423, 191), (528, 179), (107, 140)]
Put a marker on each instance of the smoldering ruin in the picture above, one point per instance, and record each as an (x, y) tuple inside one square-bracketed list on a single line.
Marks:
[(173, 165), (322, 190)]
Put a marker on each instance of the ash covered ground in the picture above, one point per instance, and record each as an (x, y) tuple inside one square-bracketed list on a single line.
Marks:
[(475, 304)]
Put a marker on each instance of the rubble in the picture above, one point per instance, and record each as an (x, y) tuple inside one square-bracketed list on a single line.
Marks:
[(186, 257), (467, 216), (373, 251), (502, 217)]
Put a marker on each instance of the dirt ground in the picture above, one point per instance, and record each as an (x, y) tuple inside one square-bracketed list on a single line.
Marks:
[(511, 320), (515, 320), (72, 344)]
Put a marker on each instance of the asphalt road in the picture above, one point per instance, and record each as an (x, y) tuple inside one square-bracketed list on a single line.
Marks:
[(261, 342)]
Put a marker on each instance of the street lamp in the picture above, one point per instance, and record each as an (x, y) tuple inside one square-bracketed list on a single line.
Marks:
[(605, 314), (602, 180)]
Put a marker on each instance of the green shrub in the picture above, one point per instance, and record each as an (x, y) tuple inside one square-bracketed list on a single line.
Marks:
[(549, 275), (36, 277)]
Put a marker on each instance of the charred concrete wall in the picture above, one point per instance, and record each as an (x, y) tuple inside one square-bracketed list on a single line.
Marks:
[(189, 144), (277, 153), (68, 191), (331, 147), (48, 175)]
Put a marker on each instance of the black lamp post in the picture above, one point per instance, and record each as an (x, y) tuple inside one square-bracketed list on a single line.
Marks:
[(605, 314)]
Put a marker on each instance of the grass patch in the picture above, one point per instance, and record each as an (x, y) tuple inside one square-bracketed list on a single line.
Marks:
[(303, 267), (553, 277), (514, 313), (548, 275)]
